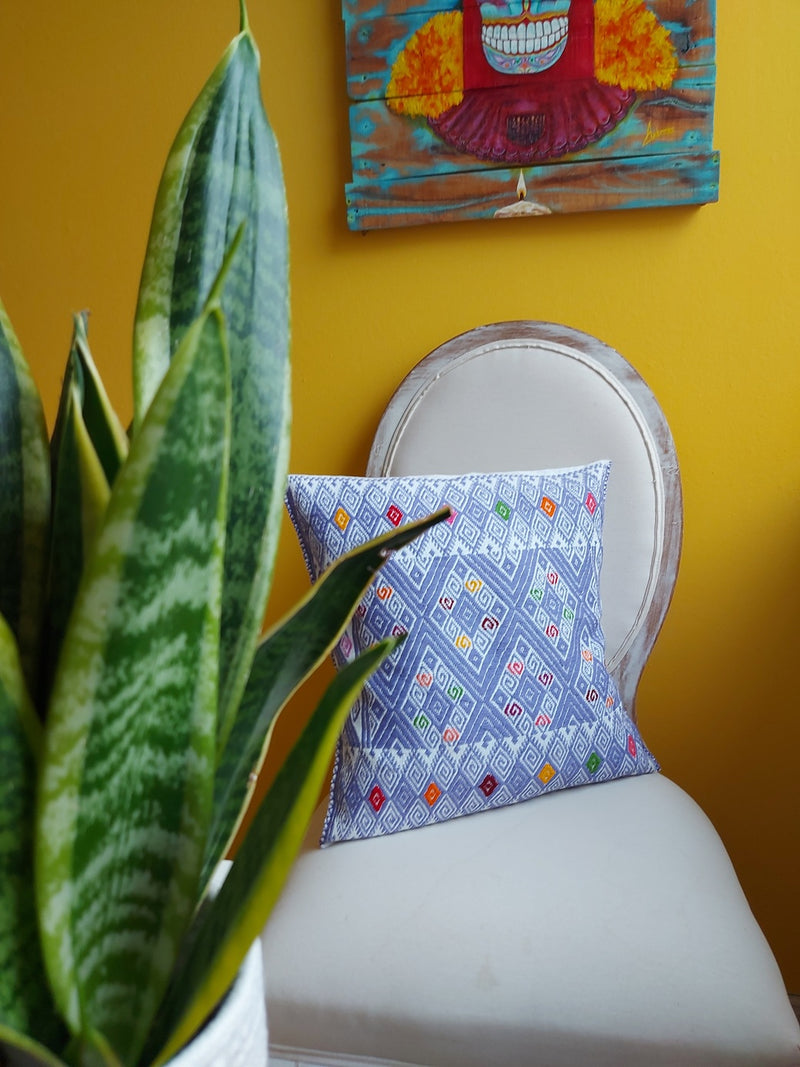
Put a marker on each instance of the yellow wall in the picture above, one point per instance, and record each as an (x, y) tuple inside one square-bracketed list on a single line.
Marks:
[(703, 301)]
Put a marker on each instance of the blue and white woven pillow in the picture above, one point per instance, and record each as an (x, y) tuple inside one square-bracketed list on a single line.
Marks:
[(500, 691)]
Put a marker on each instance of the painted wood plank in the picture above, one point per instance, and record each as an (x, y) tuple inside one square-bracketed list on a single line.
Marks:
[(456, 152), (386, 146), (375, 39), (365, 9), (632, 182), (702, 16)]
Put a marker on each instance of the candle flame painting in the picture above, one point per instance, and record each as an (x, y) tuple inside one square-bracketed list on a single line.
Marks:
[(585, 105), (521, 206)]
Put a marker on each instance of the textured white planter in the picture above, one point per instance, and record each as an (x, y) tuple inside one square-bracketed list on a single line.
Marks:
[(236, 1036)]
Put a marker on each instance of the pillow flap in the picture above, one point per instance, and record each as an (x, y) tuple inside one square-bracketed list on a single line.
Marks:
[(500, 691)]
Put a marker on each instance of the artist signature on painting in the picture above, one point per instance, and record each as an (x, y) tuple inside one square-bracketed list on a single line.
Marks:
[(657, 133)]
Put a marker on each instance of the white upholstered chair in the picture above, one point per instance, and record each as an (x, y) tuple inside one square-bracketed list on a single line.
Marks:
[(482, 940)]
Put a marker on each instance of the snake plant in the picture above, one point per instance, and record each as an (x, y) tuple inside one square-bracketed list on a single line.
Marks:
[(137, 691)]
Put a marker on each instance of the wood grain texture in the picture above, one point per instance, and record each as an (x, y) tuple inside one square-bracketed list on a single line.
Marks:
[(623, 183), (387, 146), (410, 168)]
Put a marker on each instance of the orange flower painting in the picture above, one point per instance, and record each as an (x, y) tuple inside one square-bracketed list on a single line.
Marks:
[(428, 75), (632, 48)]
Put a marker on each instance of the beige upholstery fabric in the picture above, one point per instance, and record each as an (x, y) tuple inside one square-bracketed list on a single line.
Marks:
[(602, 925)]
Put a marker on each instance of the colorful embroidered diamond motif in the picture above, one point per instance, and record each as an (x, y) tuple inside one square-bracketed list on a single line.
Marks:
[(548, 506), (503, 510), (593, 763), (488, 785), (342, 519), (432, 793), (394, 515), (377, 798), (591, 502), (546, 774)]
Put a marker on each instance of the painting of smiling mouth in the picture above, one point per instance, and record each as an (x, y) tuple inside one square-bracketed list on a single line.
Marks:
[(524, 42)]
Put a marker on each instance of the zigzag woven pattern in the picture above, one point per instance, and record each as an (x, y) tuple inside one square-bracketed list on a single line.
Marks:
[(500, 691)]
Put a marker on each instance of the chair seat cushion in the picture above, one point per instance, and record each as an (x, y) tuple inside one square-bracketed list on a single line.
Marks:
[(598, 925)]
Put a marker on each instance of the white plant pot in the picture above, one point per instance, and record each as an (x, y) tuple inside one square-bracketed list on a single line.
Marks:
[(236, 1035)]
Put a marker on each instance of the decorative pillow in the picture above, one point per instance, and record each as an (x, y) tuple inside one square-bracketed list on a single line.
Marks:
[(500, 692)]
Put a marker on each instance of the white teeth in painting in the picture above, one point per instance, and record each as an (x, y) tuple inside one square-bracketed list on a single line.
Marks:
[(524, 38)]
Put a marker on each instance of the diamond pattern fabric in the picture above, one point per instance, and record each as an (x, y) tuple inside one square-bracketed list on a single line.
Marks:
[(500, 691)]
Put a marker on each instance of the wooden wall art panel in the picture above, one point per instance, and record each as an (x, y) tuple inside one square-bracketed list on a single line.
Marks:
[(462, 109)]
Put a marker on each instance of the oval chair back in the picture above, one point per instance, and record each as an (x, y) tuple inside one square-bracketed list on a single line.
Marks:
[(536, 395)]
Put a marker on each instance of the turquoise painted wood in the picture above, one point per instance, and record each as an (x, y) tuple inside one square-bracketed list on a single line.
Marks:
[(441, 129), (682, 120), (627, 182)]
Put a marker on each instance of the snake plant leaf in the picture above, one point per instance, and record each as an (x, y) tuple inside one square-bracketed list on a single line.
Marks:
[(25, 1001), (91, 1049), (285, 657), (79, 500), (105, 431), (229, 923), (223, 170), (127, 773), (20, 1050), (25, 500)]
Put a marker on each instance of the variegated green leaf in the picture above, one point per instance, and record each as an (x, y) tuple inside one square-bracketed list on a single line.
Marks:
[(26, 1005), (80, 495), (224, 169), (127, 776), (283, 660), (105, 431), (25, 500), (230, 922)]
